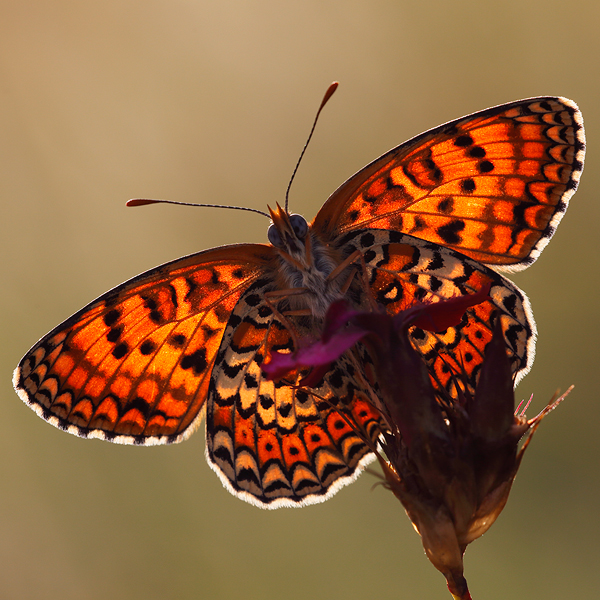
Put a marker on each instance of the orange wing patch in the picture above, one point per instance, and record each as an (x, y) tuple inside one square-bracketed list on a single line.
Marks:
[(493, 185), (134, 366)]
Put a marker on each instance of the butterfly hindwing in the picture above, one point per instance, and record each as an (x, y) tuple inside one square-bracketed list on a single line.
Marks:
[(492, 185), (404, 270), (271, 443), (134, 365)]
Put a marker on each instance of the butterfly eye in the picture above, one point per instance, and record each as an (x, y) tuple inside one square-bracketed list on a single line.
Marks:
[(299, 225), (274, 237)]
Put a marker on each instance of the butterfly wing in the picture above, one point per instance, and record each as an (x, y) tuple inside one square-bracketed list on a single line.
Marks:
[(271, 443), (492, 185), (404, 270), (134, 366), (142, 363)]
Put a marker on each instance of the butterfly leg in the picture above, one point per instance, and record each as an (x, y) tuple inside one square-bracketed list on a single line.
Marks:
[(357, 255), (349, 280), (279, 294), (345, 263), (285, 293)]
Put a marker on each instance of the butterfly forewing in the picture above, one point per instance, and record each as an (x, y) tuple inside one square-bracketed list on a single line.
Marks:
[(134, 366), (493, 185)]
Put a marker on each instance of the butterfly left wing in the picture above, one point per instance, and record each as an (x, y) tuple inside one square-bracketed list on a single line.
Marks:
[(271, 443), (142, 363), (492, 185), (134, 365)]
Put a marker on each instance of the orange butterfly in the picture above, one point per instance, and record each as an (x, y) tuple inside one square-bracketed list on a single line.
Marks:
[(145, 361)]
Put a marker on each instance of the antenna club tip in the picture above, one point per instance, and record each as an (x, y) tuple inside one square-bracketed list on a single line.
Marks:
[(138, 202), (330, 91)]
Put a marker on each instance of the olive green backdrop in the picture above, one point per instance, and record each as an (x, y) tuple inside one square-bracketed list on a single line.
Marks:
[(211, 101)]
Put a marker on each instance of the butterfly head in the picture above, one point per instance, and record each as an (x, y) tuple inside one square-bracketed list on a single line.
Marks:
[(290, 235)]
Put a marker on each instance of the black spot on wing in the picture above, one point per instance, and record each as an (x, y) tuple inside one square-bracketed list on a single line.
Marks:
[(250, 381), (209, 331), (285, 409), (120, 351), (266, 402), (510, 304), (462, 141), (192, 285), (367, 240), (247, 474), (370, 256), (177, 340), (114, 334), (142, 405), (232, 370), (302, 397), (156, 317), (437, 262), (149, 303), (435, 284), (330, 469), (446, 206), (248, 411), (467, 185), (111, 317), (173, 293), (264, 311), (147, 347), (223, 455), (434, 170), (477, 152), (450, 231), (418, 334), (419, 225), (252, 299), (275, 486), (196, 361)]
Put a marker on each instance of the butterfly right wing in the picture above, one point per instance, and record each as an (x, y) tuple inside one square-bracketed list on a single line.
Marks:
[(134, 365)]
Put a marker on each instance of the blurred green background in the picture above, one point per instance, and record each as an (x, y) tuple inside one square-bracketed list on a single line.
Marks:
[(211, 101)]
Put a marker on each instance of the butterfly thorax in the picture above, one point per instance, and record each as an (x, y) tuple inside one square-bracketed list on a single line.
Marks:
[(306, 263), (311, 272)]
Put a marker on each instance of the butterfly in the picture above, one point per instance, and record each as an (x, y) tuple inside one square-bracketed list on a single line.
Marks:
[(439, 216)]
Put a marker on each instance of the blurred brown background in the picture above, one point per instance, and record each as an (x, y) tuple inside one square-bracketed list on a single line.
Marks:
[(211, 101)]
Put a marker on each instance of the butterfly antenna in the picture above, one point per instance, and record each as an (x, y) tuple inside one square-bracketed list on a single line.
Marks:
[(326, 97), (142, 201)]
